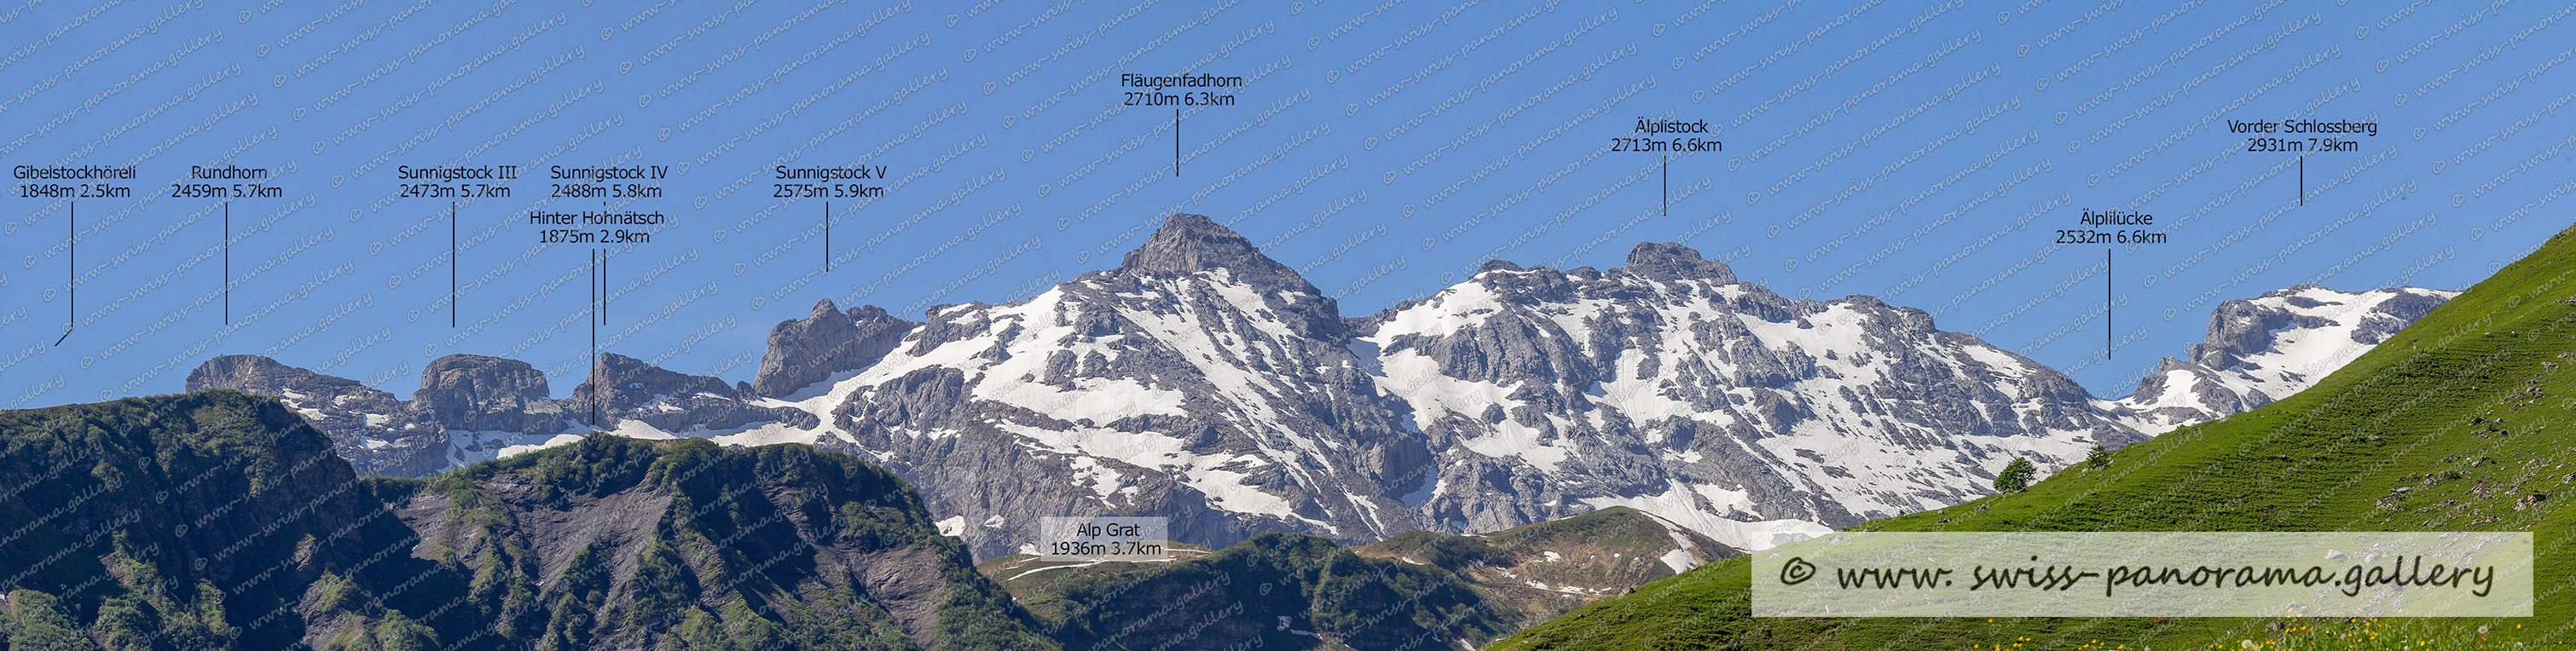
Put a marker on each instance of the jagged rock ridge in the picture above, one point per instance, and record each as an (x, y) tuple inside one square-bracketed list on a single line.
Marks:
[(472, 407)]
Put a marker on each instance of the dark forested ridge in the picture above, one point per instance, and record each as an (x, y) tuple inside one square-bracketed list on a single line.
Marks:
[(217, 520), (1275, 591), (1419, 590)]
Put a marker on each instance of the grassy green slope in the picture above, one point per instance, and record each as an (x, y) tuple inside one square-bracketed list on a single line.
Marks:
[(2468, 410)]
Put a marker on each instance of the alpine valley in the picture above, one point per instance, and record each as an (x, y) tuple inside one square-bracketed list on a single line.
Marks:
[(1202, 381)]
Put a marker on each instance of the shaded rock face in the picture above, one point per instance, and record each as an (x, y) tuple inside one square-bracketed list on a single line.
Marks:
[(469, 407), (2265, 348), (475, 392), (802, 353)]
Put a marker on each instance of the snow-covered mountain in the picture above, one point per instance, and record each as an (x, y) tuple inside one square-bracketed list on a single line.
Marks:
[(1199, 380), (2264, 349), (1205, 382), (1669, 386)]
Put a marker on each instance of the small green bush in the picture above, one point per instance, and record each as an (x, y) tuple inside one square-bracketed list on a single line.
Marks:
[(2016, 476)]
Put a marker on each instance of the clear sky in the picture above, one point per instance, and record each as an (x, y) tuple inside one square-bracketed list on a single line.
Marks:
[(1928, 154)]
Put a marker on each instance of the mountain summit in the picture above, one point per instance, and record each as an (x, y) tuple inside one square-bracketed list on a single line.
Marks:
[(1666, 261), (1190, 243), (828, 341)]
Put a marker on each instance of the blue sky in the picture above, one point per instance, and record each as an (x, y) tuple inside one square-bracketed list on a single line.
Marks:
[(1927, 154)]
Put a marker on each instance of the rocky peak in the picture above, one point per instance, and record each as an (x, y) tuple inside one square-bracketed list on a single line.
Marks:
[(475, 392), (626, 377), (2265, 348), (2247, 328), (260, 375), (2241, 328), (1666, 261), (1190, 243), (828, 341)]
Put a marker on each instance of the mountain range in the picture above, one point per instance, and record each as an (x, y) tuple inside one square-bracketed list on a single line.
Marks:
[(1202, 381), (2455, 423)]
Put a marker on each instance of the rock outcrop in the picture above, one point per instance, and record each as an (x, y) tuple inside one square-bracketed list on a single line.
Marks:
[(475, 392), (802, 353)]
